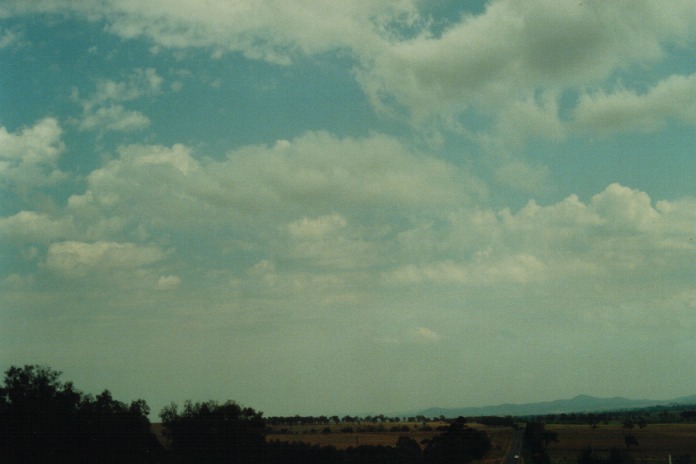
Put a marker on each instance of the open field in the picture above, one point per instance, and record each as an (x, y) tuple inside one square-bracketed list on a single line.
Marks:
[(655, 442), (499, 436)]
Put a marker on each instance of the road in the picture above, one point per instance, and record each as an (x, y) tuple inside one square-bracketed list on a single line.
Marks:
[(514, 449)]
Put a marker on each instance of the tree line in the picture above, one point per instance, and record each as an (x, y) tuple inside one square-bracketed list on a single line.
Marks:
[(629, 418), (46, 420), (288, 421)]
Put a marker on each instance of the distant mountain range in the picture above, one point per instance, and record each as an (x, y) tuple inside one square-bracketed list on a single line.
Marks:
[(581, 403)]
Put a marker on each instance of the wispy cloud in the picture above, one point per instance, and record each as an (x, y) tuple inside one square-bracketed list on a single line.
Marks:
[(103, 109)]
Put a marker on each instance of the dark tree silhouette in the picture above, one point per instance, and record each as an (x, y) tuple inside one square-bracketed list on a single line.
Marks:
[(212, 432), (616, 456), (630, 439), (45, 420), (409, 451), (458, 444), (536, 438)]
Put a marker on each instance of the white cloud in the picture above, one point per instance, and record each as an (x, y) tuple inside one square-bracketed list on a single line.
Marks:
[(368, 210), (523, 177), (271, 30), (618, 233), (140, 83), (625, 208), (168, 282), (424, 334), (114, 118), (495, 63), (264, 188), (179, 156), (515, 48), (8, 37), (483, 269), (316, 228), (625, 110), (78, 259), (28, 158), (29, 226), (103, 109)]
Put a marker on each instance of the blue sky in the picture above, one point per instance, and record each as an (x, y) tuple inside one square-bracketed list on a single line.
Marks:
[(326, 208)]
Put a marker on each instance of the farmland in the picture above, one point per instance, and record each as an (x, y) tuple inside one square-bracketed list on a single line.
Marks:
[(382, 435), (655, 442)]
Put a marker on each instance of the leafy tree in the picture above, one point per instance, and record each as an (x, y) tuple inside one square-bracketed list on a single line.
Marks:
[(617, 456), (45, 420), (630, 439), (409, 450), (109, 428), (458, 444), (585, 456), (212, 432), (642, 422), (536, 438)]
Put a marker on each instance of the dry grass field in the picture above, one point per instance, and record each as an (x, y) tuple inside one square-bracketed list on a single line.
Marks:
[(655, 442), (499, 436)]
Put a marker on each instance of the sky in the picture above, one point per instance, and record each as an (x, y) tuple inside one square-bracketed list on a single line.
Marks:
[(316, 207)]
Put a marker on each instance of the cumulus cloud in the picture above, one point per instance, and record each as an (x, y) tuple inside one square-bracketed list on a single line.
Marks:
[(80, 258), (522, 176), (316, 228), (168, 282), (114, 118), (373, 208), (673, 98), (424, 334), (618, 232), (515, 48), (327, 242), (315, 173), (29, 157), (495, 63), (625, 208), (103, 110), (8, 37), (270, 30), (481, 270), (29, 226)]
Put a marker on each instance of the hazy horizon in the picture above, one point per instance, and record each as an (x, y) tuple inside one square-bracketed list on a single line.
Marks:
[(339, 207)]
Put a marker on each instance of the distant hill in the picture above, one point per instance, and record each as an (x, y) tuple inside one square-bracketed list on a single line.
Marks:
[(581, 403)]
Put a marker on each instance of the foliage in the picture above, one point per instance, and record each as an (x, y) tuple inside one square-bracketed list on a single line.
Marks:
[(494, 421), (45, 420), (212, 432), (409, 450), (458, 444), (630, 439), (536, 438), (660, 414), (616, 456)]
